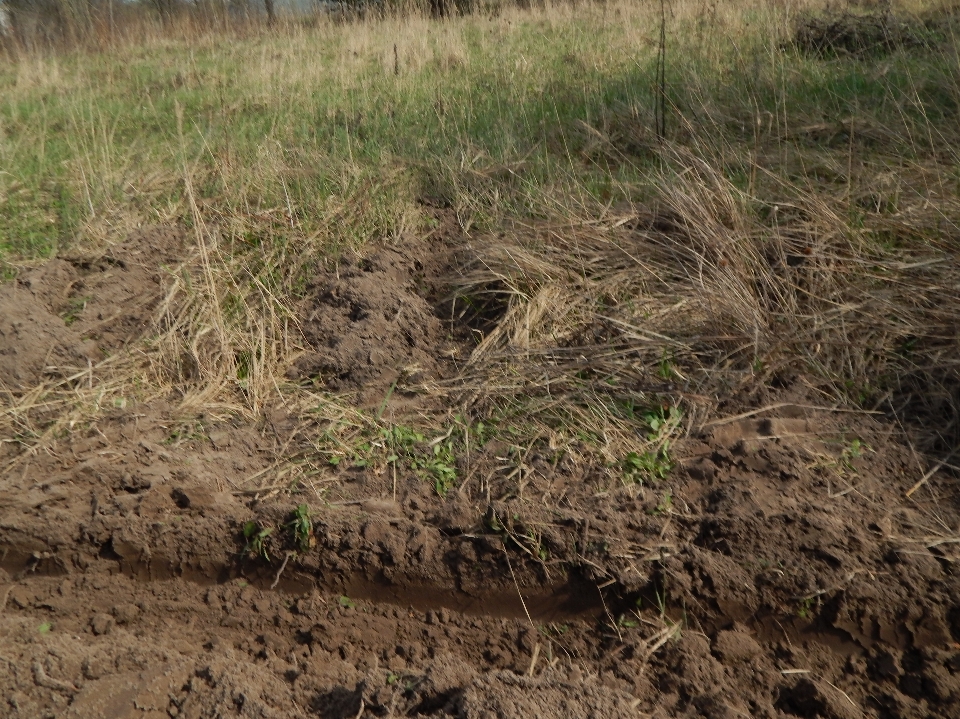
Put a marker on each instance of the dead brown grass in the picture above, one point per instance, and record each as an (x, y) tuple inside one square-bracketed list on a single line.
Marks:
[(696, 298), (595, 318)]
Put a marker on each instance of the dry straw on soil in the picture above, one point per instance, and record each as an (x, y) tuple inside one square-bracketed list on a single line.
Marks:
[(701, 293), (591, 314)]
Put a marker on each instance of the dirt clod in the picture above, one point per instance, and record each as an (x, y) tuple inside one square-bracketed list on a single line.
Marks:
[(369, 326), (101, 624), (736, 646)]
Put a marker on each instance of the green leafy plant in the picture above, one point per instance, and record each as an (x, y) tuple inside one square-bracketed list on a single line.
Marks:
[(805, 608), (661, 420), (400, 441), (651, 466), (45, 628), (347, 602), (439, 465), (362, 454), (855, 449), (481, 432), (401, 445), (301, 526), (256, 537)]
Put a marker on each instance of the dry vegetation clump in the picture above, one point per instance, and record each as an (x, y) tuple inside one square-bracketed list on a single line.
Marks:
[(703, 296), (871, 33), (607, 279)]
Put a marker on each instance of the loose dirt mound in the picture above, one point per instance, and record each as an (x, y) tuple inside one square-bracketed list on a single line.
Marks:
[(369, 324), (56, 319), (33, 339), (865, 34), (114, 294)]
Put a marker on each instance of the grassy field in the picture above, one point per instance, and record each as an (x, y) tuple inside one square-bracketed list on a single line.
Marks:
[(801, 188), (525, 114)]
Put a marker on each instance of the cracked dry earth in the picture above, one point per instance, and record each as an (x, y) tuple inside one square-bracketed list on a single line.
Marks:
[(789, 574)]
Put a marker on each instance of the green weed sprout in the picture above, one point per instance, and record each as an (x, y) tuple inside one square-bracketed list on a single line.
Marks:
[(256, 537)]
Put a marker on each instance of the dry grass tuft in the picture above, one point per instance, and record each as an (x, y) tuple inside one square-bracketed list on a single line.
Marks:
[(704, 294)]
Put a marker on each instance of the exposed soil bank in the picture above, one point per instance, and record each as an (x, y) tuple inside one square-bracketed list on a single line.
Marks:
[(798, 592)]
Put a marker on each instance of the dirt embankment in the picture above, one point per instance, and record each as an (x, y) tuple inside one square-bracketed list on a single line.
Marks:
[(782, 569)]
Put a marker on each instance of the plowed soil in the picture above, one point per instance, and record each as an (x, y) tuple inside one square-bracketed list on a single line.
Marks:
[(783, 569)]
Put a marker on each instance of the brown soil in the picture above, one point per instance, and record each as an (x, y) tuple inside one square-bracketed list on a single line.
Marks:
[(56, 319), (780, 570), (370, 324)]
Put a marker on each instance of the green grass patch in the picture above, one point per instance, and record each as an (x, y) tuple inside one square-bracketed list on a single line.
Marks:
[(312, 132)]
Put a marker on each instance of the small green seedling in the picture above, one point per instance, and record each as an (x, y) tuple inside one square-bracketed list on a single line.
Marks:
[(361, 455), (624, 622), (666, 368), (347, 603), (256, 539), (665, 504), (75, 307), (852, 451), (45, 628), (640, 467), (553, 630), (301, 527), (482, 432)]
